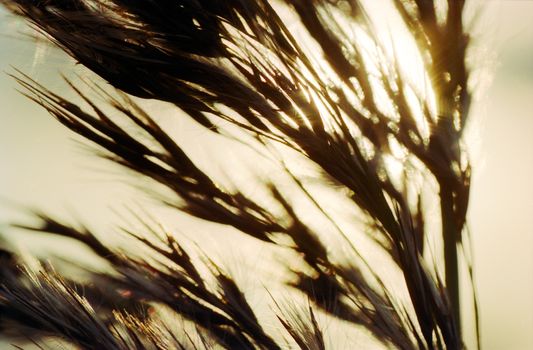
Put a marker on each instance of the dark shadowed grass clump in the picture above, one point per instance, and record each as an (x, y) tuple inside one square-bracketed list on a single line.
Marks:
[(338, 98)]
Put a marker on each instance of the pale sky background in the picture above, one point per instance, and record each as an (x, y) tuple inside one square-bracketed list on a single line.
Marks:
[(41, 165)]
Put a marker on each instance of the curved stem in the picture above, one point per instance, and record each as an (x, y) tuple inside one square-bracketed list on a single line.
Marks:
[(450, 235)]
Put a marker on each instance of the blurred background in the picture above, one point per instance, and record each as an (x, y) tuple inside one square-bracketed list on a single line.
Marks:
[(43, 166)]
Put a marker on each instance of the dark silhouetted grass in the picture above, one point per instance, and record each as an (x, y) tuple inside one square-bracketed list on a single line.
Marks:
[(236, 63)]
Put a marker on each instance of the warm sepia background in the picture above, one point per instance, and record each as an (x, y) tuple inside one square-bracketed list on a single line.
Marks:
[(42, 166)]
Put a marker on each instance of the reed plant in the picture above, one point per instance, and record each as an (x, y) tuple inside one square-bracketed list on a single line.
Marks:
[(331, 93)]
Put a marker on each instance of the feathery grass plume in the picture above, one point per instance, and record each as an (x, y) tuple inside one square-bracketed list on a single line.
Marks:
[(337, 98)]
